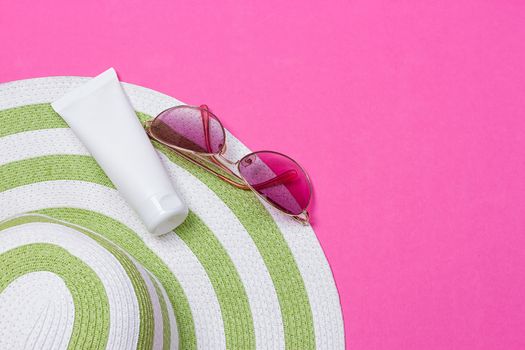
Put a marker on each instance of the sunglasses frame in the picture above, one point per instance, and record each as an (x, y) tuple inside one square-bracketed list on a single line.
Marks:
[(206, 160)]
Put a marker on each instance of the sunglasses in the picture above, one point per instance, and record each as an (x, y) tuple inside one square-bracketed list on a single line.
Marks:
[(197, 135)]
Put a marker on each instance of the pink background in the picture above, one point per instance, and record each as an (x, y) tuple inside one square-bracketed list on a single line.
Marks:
[(409, 115)]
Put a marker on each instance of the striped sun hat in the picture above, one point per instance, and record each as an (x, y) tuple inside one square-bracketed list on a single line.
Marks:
[(78, 269)]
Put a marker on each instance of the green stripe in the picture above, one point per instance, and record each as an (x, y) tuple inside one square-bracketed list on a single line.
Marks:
[(235, 310), (145, 340), (166, 329), (91, 324), (48, 168), (289, 286), (23, 118)]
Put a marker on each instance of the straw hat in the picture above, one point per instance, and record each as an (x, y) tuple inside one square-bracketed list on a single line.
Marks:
[(79, 270)]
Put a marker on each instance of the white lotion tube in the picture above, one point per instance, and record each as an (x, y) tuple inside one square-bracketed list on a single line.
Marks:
[(101, 116)]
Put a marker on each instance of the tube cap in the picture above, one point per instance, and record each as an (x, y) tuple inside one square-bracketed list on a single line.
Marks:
[(162, 213)]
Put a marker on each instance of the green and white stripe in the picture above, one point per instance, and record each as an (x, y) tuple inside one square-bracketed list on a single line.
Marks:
[(119, 313), (235, 275)]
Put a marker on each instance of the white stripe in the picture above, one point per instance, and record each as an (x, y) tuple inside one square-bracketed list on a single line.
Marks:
[(39, 143), (170, 248), (123, 304), (25, 302), (237, 242), (39, 90)]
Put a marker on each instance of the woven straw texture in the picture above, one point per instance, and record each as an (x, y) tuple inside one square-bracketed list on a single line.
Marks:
[(79, 271)]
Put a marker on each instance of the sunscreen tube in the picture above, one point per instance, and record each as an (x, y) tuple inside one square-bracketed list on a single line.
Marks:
[(102, 118)]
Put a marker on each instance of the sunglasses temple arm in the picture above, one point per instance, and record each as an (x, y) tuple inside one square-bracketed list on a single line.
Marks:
[(303, 218), (220, 176), (281, 179)]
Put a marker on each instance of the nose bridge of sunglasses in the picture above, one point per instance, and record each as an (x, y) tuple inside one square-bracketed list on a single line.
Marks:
[(226, 160), (214, 166)]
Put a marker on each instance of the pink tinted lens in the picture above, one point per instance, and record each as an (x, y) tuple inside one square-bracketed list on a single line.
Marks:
[(192, 128), (277, 178)]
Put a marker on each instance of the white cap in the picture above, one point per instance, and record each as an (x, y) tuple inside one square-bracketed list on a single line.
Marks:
[(162, 213)]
